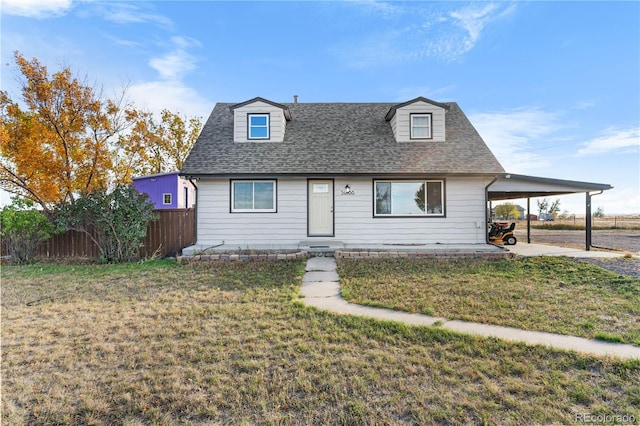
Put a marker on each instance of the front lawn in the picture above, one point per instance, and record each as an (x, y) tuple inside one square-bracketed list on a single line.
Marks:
[(229, 343), (542, 293)]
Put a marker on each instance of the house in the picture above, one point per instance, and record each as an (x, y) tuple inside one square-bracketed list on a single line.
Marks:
[(167, 190), (272, 174)]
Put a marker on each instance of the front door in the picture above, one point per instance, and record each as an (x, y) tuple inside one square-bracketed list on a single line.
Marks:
[(320, 214)]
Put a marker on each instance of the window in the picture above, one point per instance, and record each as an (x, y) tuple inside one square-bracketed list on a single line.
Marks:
[(253, 196), (409, 198), (258, 126), (420, 126), (166, 199)]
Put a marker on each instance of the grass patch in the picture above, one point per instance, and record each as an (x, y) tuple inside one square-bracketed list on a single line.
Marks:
[(161, 343), (542, 293)]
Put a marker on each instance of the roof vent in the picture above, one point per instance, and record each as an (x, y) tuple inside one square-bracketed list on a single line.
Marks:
[(295, 99)]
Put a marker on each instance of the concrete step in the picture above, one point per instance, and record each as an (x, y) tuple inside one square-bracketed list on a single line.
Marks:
[(321, 264)]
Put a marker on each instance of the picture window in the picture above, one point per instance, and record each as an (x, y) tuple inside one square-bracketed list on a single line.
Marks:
[(249, 196), (409, 198)]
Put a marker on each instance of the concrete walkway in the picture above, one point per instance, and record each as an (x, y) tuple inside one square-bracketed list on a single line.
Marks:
[(321, 289), (524, 249)]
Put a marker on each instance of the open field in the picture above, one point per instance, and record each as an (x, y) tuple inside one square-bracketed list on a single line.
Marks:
[(161, 343), (605, 222), (543, 294), (578, 222)]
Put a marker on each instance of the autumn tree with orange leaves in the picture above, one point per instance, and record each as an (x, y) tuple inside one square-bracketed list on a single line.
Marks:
[(152, 146), (69, 140)]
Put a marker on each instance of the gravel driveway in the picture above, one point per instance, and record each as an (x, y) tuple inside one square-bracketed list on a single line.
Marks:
[(616, 239), (625, 240)]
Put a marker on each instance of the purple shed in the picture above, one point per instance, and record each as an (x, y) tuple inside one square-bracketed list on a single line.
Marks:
[(167, 190)]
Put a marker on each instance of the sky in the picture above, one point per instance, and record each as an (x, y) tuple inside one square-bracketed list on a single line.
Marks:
[(552, 87)]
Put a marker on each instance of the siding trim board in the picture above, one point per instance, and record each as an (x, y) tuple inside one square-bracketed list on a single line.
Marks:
[(346, 175)]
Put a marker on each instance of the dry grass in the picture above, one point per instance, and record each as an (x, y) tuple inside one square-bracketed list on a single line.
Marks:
[(160, 343), (546, 294)]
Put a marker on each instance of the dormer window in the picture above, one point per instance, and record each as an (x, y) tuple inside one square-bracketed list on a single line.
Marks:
[(259, 120), (258, 126), (421, 126)]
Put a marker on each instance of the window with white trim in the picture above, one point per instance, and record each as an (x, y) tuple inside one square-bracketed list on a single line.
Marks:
[(253, 196), (421, 126), (166, 199), (258, 126), (409, 198)]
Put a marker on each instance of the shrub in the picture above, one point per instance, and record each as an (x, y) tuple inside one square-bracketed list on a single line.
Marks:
[(24, 228), (116, 221)]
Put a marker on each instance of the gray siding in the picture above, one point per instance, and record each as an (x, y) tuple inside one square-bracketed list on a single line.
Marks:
[(401, 122), (354, 221), (277, 122)]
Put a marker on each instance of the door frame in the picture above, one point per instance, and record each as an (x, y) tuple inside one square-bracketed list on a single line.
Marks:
[(333, 210)]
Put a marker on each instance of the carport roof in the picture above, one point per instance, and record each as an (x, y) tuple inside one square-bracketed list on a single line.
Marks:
[(511, 186)]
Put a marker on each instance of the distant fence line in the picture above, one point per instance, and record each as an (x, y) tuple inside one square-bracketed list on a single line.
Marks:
[(600, 221), (173, 230)]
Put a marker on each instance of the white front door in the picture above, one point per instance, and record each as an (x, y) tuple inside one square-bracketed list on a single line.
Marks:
[(320, 195)]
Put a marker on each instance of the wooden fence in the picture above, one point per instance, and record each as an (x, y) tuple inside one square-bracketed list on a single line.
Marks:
[(173, 230)]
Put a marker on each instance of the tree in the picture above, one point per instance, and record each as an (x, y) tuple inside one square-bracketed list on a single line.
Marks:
[(543, 205), (507, 210), (599, 212), (554, 207), (24, 228), (419, 197), (59, 146), (115, 221), (156, 147), (548, 207), (178, 135), (70, 140)]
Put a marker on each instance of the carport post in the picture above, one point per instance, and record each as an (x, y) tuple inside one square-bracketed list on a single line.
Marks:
[(587, 219), (528, 220)]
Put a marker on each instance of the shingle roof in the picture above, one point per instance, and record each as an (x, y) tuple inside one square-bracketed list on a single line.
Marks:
[(285, 110), (394, 108), (339, 138)]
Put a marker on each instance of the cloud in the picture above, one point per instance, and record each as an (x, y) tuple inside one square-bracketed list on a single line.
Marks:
[(127, 13), (473, 19), (405, 93), (618, 201), (618, 140), (423, 32), (173, 65), (170, 92), (39, 9), (123, 42), (380, 8), (512, 136), (154, 96)]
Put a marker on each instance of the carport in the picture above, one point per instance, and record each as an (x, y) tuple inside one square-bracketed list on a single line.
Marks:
[(511, 186)]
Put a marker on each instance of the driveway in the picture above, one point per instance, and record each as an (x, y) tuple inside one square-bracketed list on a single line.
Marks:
[(524, 249), (615, 239)]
